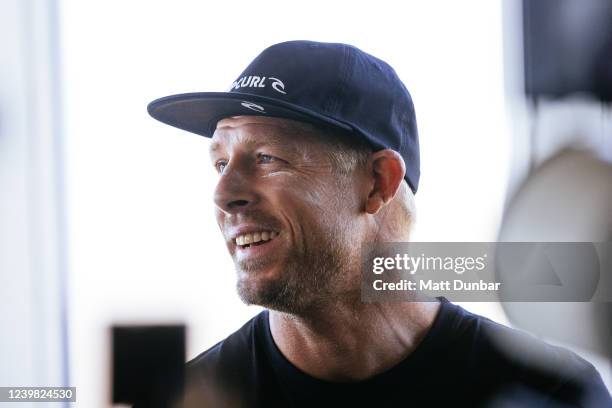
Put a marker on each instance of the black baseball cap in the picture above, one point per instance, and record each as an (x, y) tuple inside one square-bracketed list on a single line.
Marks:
[(330, 84)]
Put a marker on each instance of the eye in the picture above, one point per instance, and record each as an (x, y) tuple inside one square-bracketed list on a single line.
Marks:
[(265, 158), (220, 166)]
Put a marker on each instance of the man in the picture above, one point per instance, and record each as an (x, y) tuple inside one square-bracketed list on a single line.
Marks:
[(317, 152)]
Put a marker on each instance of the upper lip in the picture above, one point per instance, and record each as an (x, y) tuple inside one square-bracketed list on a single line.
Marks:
[(247, 229)]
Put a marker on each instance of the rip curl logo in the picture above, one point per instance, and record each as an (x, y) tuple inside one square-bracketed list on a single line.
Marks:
[(254, 81), (253, 106), (278, 84)]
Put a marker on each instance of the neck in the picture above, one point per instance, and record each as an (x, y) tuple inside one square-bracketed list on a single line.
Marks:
[(352, 341)]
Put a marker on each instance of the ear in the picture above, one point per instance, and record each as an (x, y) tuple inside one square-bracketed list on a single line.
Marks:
[(388, 169)]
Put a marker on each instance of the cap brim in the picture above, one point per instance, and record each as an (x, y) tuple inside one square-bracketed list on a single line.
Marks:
[(199, 112)]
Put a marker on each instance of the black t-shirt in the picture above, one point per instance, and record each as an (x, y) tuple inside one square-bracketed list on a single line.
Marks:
[(460, 361)]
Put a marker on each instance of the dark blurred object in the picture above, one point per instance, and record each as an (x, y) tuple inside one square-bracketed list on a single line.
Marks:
[(148, 364), (568, 48)]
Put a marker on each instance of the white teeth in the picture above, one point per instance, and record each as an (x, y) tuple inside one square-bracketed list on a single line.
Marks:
[(254, 237)]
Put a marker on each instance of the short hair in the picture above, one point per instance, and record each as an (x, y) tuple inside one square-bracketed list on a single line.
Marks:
[(348, 153)]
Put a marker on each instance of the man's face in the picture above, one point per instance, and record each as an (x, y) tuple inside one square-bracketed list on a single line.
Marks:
[(277, 187)]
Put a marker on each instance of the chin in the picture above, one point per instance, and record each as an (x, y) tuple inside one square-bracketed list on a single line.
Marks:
[(270, 292), (254, 287)]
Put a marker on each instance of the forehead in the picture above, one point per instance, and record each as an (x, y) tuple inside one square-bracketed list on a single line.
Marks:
[(261, 129)]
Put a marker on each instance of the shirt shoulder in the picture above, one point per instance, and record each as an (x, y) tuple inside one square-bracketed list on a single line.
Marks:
[(227, 373), (234, 349), (513, 363)]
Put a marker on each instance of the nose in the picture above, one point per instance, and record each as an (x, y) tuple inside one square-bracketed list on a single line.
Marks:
[(235, 191)]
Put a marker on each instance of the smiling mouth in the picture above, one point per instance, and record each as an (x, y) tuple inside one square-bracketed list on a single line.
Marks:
[(255, 238)]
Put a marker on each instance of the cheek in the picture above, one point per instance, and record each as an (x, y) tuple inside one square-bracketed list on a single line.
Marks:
[(219, 216), (302, 194), (319, 208)]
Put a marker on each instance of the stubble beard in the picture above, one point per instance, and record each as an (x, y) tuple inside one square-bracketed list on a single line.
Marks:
[(309, 280)]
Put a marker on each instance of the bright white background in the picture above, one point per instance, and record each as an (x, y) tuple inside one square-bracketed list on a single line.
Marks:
[(143, 244)]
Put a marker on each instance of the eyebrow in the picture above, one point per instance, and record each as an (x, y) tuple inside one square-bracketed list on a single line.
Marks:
[(214, 146), (252, 141)]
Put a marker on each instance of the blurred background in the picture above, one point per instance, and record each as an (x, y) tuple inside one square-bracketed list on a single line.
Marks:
[(106, 215)]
